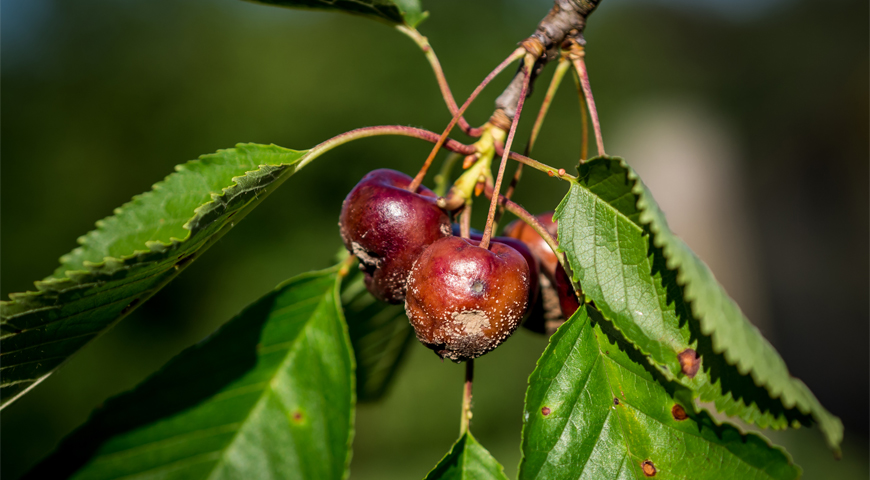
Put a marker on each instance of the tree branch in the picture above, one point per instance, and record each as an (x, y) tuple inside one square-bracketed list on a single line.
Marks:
[(565, 21)]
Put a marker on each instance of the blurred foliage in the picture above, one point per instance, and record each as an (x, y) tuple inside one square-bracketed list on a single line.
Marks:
[(102, 98)]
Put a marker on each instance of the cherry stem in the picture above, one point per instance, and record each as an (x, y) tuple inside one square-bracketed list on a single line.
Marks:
[(584, 120), (531, 221), (466, 397), (561, 69), (493, 206), (518, 53), (577, 55), (427, 49), (379, 130), (543, 167)]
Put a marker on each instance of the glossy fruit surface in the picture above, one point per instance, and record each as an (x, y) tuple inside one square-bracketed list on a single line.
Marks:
[(387, 227), (463, 300), (534, 289), (526, 234)]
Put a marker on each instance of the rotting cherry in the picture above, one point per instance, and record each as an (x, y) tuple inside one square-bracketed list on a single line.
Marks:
[(464, 300), (523, 249), (387, 227)]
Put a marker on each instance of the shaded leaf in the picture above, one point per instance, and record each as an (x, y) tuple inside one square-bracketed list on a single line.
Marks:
[(467, 460), (391, 11), (269, 395), (596, 409), (131, 255), (665, 300), (380, 334)]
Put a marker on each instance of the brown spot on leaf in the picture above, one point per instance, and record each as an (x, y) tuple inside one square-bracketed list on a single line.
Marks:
[(545, 411), (297, 416), (679, 412), (648, 468), (615, 401), (689, 362)]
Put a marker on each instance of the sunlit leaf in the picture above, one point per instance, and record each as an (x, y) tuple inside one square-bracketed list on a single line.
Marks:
[(596, 409), (467, 460), (665, 300), (269, 395), (131, 255)]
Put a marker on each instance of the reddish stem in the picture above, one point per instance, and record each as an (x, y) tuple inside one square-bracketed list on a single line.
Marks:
[(580, 65), (400, 130), (424, 45), (493, 206), (531, 221), (419, 178)]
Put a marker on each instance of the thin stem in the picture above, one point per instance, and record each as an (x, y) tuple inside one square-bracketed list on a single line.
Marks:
[(577, 55), (493, 206), (466, 397), (553, 172), (561, 69), (399, 130), (584, 120), (531, 221), (518, 53), (424, 45)]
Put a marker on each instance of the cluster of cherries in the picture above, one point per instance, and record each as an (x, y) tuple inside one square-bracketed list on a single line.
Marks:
[(462, 300)]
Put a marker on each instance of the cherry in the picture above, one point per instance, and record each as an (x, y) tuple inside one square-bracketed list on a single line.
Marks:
[(568, 301), (464, 300), (387, 227), (526, 234), (523, 250)]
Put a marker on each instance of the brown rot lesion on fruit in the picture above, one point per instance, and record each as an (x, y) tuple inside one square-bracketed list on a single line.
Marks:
[(690, 362), (649, 469)]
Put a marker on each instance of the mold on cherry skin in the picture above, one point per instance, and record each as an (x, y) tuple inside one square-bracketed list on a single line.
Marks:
[(464, 300)]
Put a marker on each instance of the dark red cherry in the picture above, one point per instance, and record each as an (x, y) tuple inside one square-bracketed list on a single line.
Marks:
[(523, 250), (568, 301), (464, 300), (387, 227), (526, 234)]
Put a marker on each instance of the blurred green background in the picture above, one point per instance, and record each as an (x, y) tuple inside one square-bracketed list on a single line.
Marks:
[(748, 119)]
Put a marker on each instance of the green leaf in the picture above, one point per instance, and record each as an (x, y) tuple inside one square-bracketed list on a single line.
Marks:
[(131, 255), (596, 409), (467, 460), (380, 334), (665, 300), (269, 395), (408, 12)]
